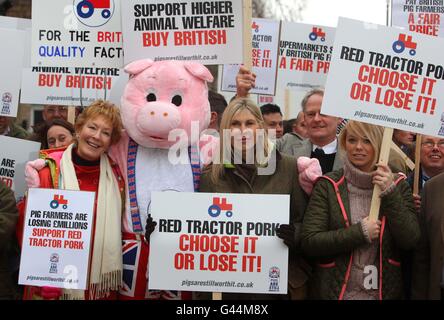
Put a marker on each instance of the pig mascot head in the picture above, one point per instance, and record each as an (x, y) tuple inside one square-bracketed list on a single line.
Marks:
[(163, 96)]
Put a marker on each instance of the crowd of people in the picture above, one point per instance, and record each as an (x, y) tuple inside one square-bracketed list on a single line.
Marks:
[(336, 251)]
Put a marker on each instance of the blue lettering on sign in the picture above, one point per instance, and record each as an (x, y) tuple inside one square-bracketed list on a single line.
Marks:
[(64, 52)]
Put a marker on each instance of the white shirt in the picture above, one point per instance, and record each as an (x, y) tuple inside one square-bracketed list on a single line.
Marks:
[(330, 148)]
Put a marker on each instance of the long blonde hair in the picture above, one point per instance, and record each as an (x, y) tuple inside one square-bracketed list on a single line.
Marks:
[(237, 105), (371, 132)]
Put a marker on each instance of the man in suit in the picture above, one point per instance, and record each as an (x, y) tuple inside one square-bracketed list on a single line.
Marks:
[(321, 129), (428, 266), (322, 143)]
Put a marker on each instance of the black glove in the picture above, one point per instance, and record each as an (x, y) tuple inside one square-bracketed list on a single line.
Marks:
[(289, 234), (149, 228)]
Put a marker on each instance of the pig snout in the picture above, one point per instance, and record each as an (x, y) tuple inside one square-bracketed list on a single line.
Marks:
[(158, 119)]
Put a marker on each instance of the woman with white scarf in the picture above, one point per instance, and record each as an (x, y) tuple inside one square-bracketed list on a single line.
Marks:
[(85, 165)]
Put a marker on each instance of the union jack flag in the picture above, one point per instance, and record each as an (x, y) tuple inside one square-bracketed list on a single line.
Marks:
[(135, 264), (131, 251)]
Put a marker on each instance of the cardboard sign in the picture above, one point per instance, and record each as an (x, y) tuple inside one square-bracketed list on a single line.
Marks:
[(393, 79), (218, 242), (56, 238), (76, 33), (10, 70), (265, 41), (25, 26), (419, 16), (68, 86), (304, 55), (15, 23), (209, 32), (14, 153)]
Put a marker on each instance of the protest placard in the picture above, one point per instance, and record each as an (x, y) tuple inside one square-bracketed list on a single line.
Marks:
[(419, 16), (304, 55), (68, 86), (209, 32), (56, 238), (13, 43), (76, 33), (218, 242), (13, 156), (265, 41), (393, 79), (15, 23)]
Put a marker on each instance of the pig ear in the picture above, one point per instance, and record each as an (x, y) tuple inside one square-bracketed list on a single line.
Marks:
[(199, 70), (138, 66)]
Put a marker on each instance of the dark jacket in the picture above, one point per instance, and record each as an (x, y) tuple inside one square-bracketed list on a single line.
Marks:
[(8, 220), (429, 255), (328, 237), (283, 181)]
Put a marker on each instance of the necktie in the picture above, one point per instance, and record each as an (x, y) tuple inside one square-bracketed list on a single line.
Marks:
[(319, 152)]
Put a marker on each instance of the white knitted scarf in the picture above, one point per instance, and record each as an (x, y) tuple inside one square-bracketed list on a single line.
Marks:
[(105, 272)]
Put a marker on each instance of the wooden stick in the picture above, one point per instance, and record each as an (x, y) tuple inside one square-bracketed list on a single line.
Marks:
[(72, 114), (217, 295), (248, 47), (287, 104), (417, 164), (404, 157), (383, 159)]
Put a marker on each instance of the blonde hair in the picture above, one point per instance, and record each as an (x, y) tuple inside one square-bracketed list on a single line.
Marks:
[(237, 105), (363, 130), (106, 109)]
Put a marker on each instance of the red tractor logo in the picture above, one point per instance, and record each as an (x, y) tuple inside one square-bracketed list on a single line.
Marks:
[(93, 13), (58, 200), (255, 26), (218, 205), (85, 9), (403, 42), (315, 33)]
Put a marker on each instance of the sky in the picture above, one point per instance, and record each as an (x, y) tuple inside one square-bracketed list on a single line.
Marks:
[(326, 12)]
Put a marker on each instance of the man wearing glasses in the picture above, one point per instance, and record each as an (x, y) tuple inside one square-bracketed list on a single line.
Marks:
[(428, 266), (432, 164), (51, 112), (432, 159)]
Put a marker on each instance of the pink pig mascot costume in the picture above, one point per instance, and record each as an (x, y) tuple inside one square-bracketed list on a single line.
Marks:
[(158, 98)]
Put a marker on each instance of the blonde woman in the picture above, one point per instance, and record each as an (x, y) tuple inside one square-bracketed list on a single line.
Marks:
[(268, 173), (358, 258)]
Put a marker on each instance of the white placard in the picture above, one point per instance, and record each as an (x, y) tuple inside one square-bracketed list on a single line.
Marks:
[(14, 153), (265, 42), (419, 16), (15, 23), (393, 79), (56, 238), (23, 25), (188, 30), (76, 33), (66, 86), (13, 43), (304, 55), (218, 242)]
